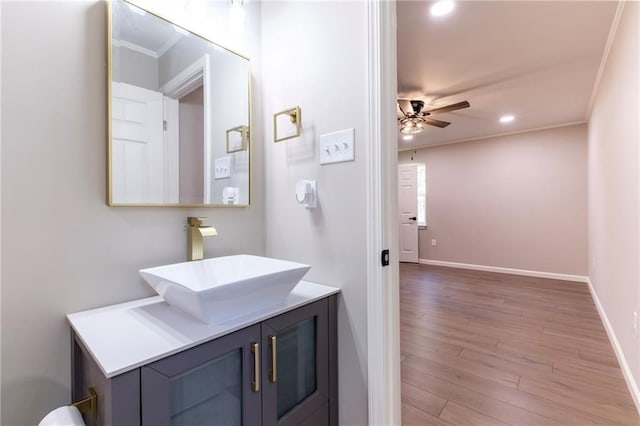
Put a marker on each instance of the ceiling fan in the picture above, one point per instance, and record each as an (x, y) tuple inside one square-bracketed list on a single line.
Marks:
[(413, 118)]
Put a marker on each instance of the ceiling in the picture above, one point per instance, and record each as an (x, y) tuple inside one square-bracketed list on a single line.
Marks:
[(536, 60), (158, 35)]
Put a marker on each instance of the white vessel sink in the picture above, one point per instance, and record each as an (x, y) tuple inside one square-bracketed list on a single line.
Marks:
[(218, 289)]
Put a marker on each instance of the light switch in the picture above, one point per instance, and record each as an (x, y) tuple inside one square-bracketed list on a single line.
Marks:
[(337, 147), (222, 168)]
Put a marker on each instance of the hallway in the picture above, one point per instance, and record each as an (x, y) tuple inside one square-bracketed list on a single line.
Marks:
[(481, 348)]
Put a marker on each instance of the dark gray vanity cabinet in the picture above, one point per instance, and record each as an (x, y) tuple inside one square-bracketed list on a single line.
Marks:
[(299, 366), (282, 371), (205, 385)]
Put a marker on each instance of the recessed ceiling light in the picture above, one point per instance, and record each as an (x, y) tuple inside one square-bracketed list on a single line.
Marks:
[(442, 7), (507, 118), (407, 137)]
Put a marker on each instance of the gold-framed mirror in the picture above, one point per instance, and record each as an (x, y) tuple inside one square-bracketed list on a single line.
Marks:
[(173, 96)]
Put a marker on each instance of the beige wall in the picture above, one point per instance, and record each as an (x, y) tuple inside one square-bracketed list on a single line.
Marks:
[(514, 201), (63, 249), (191, 151), (614, 214), (314, 56)]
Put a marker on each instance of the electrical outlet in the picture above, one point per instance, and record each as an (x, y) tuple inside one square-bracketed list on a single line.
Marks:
[(434, 242), (635, 324)]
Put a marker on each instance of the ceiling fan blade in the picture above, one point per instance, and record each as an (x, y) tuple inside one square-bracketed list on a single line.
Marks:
[(449, 108), (437, 123), (405, 106)]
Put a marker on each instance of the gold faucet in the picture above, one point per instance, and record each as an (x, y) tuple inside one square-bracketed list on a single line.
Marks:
[(196, 231)]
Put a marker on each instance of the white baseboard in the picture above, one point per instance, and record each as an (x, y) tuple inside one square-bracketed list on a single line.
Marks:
[(626, 371), (501, 270)]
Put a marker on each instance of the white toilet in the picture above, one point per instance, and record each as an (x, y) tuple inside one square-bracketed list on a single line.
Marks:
[(63, 416)]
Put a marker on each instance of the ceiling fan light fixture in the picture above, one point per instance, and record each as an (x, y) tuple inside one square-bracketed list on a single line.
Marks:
[(414, 119), (442, 7), (410, 130), (411, 125), (407, 137)]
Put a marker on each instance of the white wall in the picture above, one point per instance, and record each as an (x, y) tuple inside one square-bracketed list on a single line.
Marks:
[(134, 68), (516, 201), (64, 249), (314, 55), (614, 213), (191, 149)]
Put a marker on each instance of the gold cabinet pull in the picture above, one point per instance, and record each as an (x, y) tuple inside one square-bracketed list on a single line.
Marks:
[(255, 349), (273, 373)]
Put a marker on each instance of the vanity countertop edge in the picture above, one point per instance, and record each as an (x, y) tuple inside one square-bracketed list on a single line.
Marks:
[(129, 335)]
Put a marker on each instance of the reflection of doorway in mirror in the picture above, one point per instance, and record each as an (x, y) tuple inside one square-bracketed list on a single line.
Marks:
[(191, 88), (161, 139), (191, 118), (137, 147)]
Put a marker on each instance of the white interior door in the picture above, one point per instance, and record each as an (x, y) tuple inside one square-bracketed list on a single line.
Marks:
[(137, 145), (408, 211), (171, 150)]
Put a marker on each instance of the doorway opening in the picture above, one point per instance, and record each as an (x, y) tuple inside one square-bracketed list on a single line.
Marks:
[(188, 133)]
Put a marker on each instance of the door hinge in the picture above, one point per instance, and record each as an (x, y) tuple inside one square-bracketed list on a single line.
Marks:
[(164, 125), (384, 257)]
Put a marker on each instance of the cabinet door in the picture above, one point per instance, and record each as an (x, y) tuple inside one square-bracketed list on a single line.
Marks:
[(216, 383), (296, 365)]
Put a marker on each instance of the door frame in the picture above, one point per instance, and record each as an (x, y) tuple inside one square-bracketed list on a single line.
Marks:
[(193, 76), (383, 320)]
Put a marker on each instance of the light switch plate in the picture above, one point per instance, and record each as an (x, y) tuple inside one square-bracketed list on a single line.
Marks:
[(337, 147), (222, 168)]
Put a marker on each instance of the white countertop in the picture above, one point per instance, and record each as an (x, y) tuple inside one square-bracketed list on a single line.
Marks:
[(126, 336)]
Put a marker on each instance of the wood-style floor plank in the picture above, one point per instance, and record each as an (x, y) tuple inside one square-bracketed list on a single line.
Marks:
[(480, 402), (480, 348), (423, 400), (412, 416), (460, 415), (499, 405), (516, 366)]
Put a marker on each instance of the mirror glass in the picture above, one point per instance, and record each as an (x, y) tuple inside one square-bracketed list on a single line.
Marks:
[(179, 115)]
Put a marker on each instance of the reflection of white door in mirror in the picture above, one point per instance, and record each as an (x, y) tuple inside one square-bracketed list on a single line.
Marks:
[(137, 145), (171, 150)]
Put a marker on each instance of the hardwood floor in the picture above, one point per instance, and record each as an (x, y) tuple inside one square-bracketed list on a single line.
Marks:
[(481, 348)]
